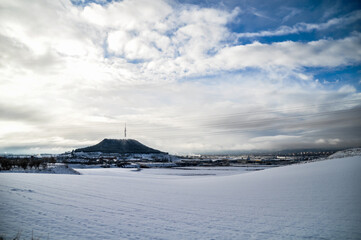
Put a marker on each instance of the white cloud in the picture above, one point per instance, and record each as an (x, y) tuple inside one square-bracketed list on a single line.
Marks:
[(321, 53), (334, 141), (305, 27), (331, 141), (283, 138), (169, 42), (320, 141), (121, 43), (128, 15), (347, 89)]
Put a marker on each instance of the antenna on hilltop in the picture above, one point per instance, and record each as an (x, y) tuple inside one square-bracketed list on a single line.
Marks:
[(125, 130)]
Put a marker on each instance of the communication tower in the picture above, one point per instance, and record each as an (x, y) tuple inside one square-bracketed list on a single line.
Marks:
[(125, 130)]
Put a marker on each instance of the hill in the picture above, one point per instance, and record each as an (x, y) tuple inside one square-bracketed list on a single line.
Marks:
[(119, 146)]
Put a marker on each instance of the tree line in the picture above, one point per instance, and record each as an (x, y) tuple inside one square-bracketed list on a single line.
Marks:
[(25, 163)]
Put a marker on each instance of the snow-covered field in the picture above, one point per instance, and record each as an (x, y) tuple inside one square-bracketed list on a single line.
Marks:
[(318, 200), (167, 172)]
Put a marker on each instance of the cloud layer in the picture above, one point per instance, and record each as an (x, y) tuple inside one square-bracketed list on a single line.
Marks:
[(71, 75)]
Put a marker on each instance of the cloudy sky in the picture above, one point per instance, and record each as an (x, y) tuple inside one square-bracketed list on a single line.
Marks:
[(185, 76)]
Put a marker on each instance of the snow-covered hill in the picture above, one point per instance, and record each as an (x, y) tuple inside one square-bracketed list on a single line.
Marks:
[(318, 200), (347, 153)]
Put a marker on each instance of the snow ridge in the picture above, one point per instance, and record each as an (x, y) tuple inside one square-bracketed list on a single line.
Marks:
[(346, 153)]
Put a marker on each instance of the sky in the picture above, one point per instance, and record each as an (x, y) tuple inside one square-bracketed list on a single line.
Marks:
[(185, 76)]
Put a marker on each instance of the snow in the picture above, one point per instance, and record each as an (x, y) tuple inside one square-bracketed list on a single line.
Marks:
[(167, 173), (347, 153), (317, 200)]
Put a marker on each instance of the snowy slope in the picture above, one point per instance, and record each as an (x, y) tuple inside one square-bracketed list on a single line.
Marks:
[(347, 153), (318, 200)]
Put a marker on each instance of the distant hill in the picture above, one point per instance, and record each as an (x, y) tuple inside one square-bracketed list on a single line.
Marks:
[(119, 146)]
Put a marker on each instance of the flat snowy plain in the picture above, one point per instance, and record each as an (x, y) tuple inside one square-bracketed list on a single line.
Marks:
[(318, 200)]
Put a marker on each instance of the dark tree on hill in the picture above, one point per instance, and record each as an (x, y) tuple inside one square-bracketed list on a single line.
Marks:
[(52, 160), (23, 163), (6, 164), (34, 162), (44, 164)]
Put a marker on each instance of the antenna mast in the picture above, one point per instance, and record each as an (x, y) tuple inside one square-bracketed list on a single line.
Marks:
[(125, 130)]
